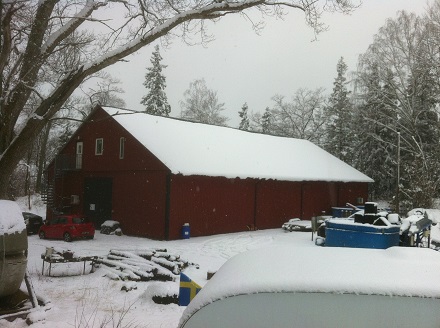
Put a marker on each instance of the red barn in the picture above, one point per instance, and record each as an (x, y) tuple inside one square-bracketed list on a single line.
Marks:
[(154, 174)]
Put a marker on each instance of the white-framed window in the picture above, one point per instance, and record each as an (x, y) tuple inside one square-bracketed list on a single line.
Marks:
[(99, 146), (121, 147), (79, 154)]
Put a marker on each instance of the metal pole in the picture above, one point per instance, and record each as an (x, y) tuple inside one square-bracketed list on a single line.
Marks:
[(30, 289)]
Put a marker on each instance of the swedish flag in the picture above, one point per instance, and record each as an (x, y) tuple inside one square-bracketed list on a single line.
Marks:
[(188, 290)]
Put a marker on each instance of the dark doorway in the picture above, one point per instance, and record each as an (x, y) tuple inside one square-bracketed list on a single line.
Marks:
[(98, 200)]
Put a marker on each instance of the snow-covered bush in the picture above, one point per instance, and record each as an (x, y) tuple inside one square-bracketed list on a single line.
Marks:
[(110, 227)]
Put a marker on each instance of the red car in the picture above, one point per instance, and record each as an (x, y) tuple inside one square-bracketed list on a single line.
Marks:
[(67, 227)]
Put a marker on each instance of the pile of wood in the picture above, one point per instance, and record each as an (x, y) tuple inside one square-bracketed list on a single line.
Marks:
[(143, 265)]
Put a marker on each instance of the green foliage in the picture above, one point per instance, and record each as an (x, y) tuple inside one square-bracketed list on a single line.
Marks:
[(375, 150), (266, 121), (339, 114), (156, 101), (244, 123)]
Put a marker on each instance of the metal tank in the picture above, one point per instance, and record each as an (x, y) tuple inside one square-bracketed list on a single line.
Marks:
[(13, 258)]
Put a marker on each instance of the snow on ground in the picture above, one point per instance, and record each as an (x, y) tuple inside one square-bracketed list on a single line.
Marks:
[(33, 204), (89, 300), (75, 299)]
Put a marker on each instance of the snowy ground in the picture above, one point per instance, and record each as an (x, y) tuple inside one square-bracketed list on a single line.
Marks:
[(76, 298), (89, 300)]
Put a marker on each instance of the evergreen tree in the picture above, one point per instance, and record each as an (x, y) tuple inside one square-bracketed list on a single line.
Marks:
[(422, 154), (244, 123), (375, 150), (339, 117), (156, 101), (406, 52), (266, 121), (387, 131), (423, 91)]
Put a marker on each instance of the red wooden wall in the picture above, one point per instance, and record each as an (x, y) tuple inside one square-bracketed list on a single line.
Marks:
[(276, 202), (349, 193), (212, 205), (139, 200), (318, 197)]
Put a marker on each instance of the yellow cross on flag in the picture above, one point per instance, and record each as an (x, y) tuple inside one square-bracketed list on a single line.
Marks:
[(188, 290)]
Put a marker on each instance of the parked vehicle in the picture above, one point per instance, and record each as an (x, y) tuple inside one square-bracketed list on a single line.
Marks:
[(67, 227), (316, 287), (33, 222), (13, 248)]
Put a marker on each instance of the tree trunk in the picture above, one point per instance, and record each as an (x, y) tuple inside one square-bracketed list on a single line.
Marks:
[(27, 180), (42, 157), (35, 124), (16, 151)]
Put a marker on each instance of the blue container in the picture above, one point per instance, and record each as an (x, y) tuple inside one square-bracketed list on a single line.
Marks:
[(349, 234), (186, 231)]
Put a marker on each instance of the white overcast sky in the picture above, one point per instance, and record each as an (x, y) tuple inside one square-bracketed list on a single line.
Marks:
[(242, 66)]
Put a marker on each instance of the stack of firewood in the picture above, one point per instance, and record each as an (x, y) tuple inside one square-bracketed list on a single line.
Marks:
[(143, 265)]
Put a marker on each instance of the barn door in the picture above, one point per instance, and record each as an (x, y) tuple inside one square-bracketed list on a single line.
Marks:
[(98, 199)]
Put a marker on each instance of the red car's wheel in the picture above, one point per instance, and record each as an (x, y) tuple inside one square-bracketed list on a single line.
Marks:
[(42, 235), (67, 237)]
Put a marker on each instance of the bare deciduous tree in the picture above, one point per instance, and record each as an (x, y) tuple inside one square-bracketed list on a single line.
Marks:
[(201, 105), (302, 117)]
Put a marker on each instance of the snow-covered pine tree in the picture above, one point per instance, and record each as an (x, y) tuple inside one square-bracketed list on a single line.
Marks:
[(407, 61), (339, 117), (387, 132), (156, 101), (244, 123), (375, 150), (266, 121), (421, 172)]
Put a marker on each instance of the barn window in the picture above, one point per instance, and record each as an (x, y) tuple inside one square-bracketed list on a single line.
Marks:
[(79, 153), (121, 147), (99, 146)]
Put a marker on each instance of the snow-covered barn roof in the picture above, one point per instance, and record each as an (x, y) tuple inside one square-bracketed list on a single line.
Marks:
[(189, 148)]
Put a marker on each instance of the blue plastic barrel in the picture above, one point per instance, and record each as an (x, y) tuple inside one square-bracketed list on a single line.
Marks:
[(186, 231)]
